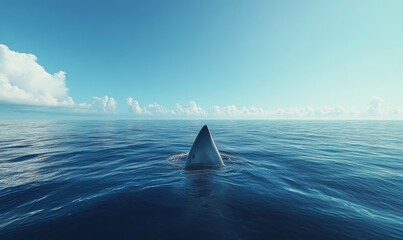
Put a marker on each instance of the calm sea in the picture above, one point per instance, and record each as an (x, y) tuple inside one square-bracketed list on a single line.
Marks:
[(126, 180)]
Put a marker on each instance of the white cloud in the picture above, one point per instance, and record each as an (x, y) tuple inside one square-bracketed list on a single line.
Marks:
[(314, 112), (134, 106), (232, 110), (104, 104), (191, 109), (149, 109), (155, 109), (376, 108), (397, 111), (24, 81)]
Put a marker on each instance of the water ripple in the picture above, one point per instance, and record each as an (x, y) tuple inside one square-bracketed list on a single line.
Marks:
[(126, 179)]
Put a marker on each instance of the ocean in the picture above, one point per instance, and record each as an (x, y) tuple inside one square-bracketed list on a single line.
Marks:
[(110, 179)]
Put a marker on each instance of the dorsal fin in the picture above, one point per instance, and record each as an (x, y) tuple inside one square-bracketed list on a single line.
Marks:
[(204, 152)]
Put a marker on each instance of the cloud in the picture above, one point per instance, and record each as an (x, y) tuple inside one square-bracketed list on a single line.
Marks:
[(232, 110), (134, 106), (397, 111), (24, 81), (149, 109), (155, 109), (314, 112), (191, 109), (376, 108), (104, 104), (279, 112)]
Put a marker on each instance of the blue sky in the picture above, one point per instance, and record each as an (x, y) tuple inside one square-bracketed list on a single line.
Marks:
[(210, 57)]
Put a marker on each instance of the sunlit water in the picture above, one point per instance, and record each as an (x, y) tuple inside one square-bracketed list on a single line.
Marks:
[(126, 180)]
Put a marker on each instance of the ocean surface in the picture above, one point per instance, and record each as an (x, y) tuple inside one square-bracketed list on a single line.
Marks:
[(126, 180)]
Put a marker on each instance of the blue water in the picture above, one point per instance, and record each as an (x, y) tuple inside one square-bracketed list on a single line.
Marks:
[(126, 180)]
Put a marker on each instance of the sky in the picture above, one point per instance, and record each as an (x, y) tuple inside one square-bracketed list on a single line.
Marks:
[(202, 59)]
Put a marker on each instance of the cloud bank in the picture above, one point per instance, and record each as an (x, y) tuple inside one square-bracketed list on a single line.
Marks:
[(155, 109), (24, 81), (375, 110), (148, 110)]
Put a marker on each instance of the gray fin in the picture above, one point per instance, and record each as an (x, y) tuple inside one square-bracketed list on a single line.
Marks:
[(204, 152)]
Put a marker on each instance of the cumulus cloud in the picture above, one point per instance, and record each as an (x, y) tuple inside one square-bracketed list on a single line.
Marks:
[(134, 106), (376, 107), (24, 81), (149, 109), (313, 112), (231, 111), (104, 104), (397, 111), (191, 109), (155, 109)]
